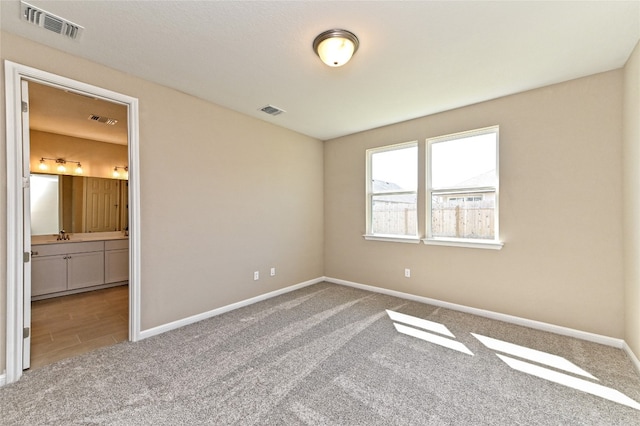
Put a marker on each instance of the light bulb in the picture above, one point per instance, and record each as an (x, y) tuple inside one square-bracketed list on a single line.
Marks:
[(43, 165), (115, 172), (79, 169), (61, 168), (336, 52)]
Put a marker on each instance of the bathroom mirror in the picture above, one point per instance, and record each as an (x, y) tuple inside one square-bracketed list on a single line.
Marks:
[(78, 204)]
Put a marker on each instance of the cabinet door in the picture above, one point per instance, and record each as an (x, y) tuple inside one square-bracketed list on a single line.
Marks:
[(116, 265), (85, 269), (48, 274)]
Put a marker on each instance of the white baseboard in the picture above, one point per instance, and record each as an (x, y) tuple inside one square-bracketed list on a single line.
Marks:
[(634, 359), (205, 315), (584, 335), (537, 325), (3, 379)]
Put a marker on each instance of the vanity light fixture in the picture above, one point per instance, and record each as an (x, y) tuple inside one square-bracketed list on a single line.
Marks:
[(62, 165), (336, 47), (116, 173)]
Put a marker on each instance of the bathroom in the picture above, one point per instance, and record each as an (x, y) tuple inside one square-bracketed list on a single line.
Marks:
[(78, 221)]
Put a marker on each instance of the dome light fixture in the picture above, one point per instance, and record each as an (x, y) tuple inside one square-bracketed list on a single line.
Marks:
[(336, 47)]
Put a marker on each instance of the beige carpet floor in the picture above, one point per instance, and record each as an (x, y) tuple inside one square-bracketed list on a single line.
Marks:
[(333, 355)]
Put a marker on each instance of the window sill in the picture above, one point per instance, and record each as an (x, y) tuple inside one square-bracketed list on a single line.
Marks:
[(392, 238), (489, 244)]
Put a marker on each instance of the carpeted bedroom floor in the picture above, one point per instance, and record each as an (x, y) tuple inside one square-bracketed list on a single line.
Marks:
[(334, 355)]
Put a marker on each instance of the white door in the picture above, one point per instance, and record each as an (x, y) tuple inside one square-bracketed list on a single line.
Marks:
[(26, 202), (101, 204)]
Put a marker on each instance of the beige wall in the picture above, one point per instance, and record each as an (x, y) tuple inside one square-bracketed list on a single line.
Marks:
[(631, 169), (560, 210), (97, 158), (222, 195)]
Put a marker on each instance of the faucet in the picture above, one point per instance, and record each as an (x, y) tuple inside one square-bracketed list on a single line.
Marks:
[(63, 235)]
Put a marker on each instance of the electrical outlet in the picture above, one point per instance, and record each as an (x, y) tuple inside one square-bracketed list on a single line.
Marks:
[(256, 275), (273, 272), (407, 273)]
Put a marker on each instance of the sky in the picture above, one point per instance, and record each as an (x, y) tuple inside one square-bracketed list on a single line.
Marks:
[(461, 159), (454, 161)]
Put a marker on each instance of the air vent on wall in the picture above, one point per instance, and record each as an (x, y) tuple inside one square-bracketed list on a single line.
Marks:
[(105, 120), (50, 21), (272, 110)]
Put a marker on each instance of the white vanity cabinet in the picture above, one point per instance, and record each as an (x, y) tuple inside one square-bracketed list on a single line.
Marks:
[(48, 273), (85, 270), (116, 261), (63, 267)]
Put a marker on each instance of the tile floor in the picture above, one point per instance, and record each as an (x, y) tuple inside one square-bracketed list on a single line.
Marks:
[(67, 326)]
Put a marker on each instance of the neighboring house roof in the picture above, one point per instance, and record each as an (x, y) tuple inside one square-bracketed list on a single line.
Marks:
[(487, 178), (382, 186)]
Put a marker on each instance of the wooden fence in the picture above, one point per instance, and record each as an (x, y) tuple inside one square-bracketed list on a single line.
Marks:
[(394, 219), (451, 221), (478, 222)]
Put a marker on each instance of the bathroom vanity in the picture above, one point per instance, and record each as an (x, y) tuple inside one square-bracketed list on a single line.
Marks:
[(85, 262)]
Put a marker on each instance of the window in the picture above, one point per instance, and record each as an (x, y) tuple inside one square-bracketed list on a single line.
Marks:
[(392, 192), (462, 188)]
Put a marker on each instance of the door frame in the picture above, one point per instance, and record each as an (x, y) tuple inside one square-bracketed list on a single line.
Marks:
[(14, 74)]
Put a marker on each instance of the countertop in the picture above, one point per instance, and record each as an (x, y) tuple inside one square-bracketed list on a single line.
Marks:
[(92, 236)]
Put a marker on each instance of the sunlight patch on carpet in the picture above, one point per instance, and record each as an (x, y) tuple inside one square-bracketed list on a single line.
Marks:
[(426, 335), (573, 382), (540, 357)]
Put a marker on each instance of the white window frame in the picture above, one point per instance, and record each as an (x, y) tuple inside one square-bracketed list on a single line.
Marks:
[(369, 235), (494, 243)]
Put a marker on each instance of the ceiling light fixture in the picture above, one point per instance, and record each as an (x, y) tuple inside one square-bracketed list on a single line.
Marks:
[(336, 47)]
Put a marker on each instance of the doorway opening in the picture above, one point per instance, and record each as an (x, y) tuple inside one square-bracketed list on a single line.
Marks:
[(78, 149), (20, 256)]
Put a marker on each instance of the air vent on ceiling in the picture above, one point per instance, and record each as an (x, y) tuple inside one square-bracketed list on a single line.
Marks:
[(272, 110), (105, 120), (50, 21)]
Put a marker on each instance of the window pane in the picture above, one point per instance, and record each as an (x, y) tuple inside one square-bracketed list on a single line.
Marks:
[(464, 163), (394, 214), (469, 215), (395, 170)]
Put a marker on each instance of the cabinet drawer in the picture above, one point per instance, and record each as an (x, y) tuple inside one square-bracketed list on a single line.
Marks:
[(116, 244), (66, 248)]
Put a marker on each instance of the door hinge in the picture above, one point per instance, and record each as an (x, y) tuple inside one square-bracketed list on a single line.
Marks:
[(26, 332), (26, 257), (25, 107)]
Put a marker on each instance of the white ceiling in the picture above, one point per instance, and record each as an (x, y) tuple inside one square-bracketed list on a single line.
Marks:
[(415, 58), (58, 111)]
